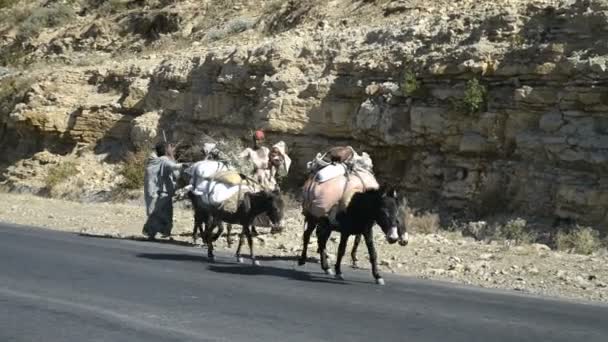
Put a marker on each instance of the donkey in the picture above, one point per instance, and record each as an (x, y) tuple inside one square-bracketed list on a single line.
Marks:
[(252, 204), (364, 210)]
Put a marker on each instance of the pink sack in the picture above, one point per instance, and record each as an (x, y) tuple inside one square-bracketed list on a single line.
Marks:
[(320, 198)]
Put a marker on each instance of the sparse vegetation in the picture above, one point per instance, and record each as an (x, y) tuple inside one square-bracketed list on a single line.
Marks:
[(132, 171), (425, 223), (233, 26), (516, 230), (12, 89), (409, 85), (7, 3), (474, 97), (60, 173), (113, 6), (581, 240), (44, 17)]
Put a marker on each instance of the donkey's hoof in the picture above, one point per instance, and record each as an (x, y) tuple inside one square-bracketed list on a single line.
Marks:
[(256, 263), (339, 277), (329, 271), (354, 265), (301, 262), (380, 281), (239, 260)]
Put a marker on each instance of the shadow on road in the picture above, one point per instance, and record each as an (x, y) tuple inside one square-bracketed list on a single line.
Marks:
[(249, 270), (173, 257)]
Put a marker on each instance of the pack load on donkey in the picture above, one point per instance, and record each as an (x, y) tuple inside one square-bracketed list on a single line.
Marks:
[(335, 177)]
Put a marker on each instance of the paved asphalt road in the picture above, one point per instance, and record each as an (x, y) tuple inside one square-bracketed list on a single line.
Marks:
[(63, 287)]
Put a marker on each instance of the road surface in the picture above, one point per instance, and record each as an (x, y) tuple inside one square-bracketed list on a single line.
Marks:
[(57, 286)]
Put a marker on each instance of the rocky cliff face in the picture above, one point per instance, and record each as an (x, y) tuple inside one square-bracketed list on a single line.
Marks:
[(395, 78)]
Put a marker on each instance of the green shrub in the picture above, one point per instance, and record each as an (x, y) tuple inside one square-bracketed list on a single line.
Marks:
[(12, 90), (517, 231), (45, 17), (474, 99), (132, 171), (7, 3), (60, 173), (581, 240), (409, 85)]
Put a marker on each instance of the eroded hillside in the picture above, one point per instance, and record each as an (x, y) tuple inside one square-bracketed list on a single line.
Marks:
[(474, 108)]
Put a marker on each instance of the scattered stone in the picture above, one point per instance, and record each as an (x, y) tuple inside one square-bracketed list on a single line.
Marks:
[(385, 262), (437, 271), (539, 247), (486, 256)]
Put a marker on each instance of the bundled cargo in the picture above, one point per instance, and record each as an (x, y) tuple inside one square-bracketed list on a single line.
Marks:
[(335, 177)]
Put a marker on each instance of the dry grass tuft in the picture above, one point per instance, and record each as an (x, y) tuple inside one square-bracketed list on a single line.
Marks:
[(581, 240), (515, 230), (60, 173), (424, 223), (132, 171)]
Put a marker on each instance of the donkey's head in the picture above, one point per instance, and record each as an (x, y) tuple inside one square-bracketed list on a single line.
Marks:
[(390, 216), (270, 203)]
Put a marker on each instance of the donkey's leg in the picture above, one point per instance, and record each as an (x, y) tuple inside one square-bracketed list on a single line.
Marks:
[(254, 231), (208, 237), (250, 243), (373, 257), (341, 250), (220, 230), (323, 233), (228, 234), (238, 248), (353, 253), (309, 227)]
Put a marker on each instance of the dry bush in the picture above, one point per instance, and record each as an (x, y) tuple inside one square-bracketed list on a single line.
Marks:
[(12, 91), (7, 3), (60, 173), (581, 240), (515, 230), (45, 17), (424, 223), (132, 171)]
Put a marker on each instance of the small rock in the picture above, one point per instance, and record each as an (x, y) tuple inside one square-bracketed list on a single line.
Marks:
[(540, 247), (437, 271), (455, 259), (532, 270), (486, 256), (385, 262), (561, 274), (456, 267)]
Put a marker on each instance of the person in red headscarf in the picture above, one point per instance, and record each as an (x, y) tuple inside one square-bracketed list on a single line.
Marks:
[(259, 154)]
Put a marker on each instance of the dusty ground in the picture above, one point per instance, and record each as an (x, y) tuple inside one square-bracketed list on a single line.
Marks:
[(446, 256)]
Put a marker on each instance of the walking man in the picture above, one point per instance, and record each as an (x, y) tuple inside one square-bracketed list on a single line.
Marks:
[(159, 187)]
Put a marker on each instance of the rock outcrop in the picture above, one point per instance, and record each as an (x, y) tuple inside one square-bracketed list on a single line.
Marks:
[(529, 138)]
